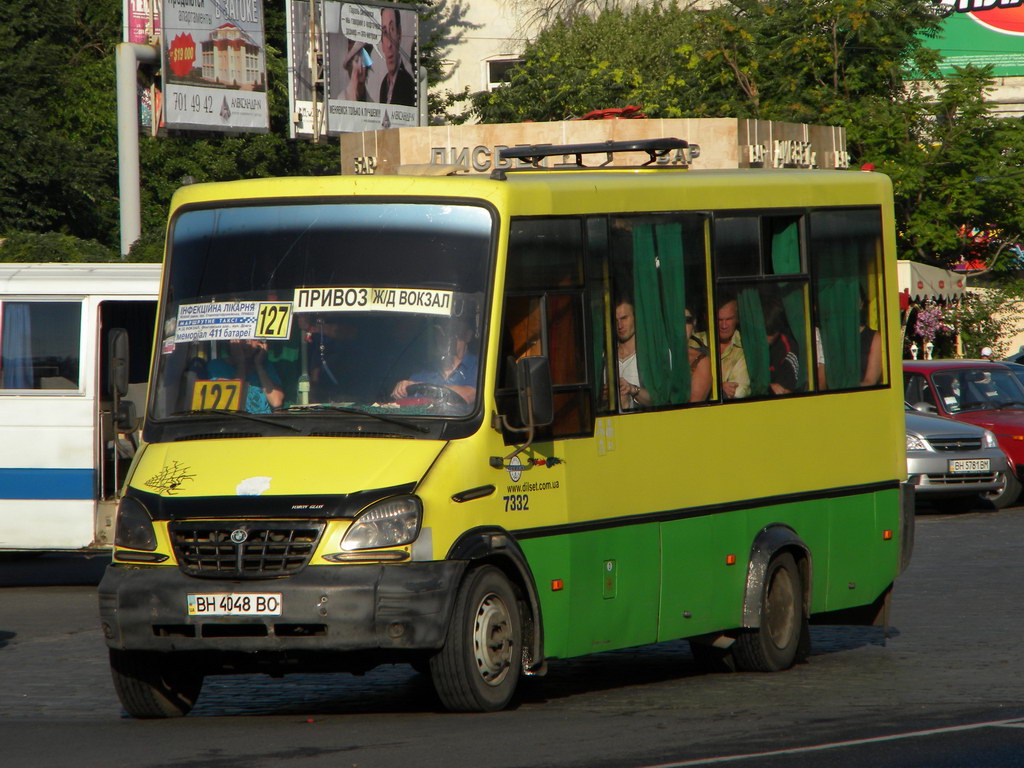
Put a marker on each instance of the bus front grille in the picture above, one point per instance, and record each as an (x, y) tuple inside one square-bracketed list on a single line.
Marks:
[(250, 550)]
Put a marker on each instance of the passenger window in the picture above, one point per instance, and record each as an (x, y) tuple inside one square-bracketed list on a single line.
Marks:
[(40, 345), (845, 248), (658, 270), (762, 324)]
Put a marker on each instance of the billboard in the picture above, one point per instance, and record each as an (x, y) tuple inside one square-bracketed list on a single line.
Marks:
[(214, 65), (303, 44), (982, 32), (371, 66), (141, 20)]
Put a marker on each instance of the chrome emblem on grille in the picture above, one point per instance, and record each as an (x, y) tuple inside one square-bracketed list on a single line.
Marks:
[(238, 535)]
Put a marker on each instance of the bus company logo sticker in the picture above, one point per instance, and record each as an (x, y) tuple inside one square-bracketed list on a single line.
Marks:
[(515, 469), (239, 535), (170, 478), (253, 486)]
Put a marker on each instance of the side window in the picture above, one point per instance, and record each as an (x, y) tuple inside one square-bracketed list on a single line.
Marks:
[(659, 311), (761, 309), (544, 315), (845, 249), (916, 390), (40, 345)]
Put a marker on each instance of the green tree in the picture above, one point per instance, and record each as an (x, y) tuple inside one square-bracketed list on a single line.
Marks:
[(585, 63), (55, 152), (53, 247), (58, 149), (955, 169)]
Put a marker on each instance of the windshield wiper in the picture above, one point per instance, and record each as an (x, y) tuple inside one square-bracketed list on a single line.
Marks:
[(1009, 404), (357, 412), (241, 415)]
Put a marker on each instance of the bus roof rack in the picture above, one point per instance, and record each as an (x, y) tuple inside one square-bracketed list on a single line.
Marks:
[(655, 149)]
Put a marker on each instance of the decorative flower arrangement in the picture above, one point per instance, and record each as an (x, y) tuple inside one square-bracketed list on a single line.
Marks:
[(930, 322)]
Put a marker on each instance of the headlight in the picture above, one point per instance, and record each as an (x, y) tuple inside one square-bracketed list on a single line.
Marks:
[(388, 523), (915, 443), (134, 528), (989, 440)]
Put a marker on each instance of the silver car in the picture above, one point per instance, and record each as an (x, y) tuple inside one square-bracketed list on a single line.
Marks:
[(954, 465)]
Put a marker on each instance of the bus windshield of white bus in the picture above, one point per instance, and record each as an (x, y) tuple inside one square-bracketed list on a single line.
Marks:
[(336, 309)]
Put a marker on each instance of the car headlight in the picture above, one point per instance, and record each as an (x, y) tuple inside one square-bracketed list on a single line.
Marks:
[(915, 443), (989, 440), (388, 523), (134, 529)]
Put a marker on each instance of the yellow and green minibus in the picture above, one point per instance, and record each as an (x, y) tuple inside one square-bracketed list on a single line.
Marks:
[(476, 424)]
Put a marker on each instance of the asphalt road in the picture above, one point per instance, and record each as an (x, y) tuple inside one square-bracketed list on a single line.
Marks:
[(942, 689)]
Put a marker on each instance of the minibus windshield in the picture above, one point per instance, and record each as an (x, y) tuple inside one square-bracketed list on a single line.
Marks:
[(334, 309)]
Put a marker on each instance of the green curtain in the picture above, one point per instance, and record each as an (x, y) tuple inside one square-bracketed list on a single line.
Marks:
[(659, 304), (786, 261), (754, 339), (669, 238), (839, 312)]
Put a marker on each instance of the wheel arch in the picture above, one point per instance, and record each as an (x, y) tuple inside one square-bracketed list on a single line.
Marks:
[(770, 541), (495, 546)]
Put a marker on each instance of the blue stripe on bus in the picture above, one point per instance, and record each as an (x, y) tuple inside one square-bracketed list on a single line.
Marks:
[(46, 484)]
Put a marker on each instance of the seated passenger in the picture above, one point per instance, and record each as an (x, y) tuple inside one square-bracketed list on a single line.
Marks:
[(632, 393), (456, 367), (735, 378), (247, 360), (783, 358), (700, 362)]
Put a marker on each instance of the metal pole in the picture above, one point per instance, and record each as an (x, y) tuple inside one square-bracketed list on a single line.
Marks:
[(128, 57)]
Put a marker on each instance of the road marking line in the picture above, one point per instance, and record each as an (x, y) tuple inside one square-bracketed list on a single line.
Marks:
[(1012, 723)]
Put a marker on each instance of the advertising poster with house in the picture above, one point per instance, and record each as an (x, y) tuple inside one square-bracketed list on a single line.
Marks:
[(214, 65), (371, 66)]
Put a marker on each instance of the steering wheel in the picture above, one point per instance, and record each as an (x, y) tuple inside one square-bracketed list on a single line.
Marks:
[(441, 395)]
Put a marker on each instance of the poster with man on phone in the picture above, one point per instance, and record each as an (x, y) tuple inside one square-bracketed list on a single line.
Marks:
[(371, 66)]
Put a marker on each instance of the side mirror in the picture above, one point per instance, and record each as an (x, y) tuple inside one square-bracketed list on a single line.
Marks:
[(924, 407), (117, 362), (536, 401), (125, 418)]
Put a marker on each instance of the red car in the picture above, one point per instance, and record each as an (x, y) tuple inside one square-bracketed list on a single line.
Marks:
[(979, 392)]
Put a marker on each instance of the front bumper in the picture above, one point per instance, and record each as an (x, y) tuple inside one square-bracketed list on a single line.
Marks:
[(930, 474), (375, 607)]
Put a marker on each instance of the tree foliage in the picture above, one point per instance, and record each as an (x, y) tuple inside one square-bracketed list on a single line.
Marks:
[(58, 150), (955, 167)]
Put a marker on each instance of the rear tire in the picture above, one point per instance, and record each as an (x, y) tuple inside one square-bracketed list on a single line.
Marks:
[(1005, 496), (479, 665), (776, 644), (152, 685)]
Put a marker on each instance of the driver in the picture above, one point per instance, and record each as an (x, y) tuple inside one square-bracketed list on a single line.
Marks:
[(456, 368)]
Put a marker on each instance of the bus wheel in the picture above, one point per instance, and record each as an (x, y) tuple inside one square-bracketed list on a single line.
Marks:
[(478, 668), (151, 685), (775, 644)]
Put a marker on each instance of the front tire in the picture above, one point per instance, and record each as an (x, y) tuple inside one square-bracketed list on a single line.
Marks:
[(1005, 496), (776, 644), (478, 667), (152, 685)]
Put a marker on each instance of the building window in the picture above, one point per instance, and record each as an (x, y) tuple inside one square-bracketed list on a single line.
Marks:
[(499, 72)]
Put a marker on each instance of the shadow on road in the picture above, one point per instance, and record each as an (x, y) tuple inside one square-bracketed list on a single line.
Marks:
[(398, 688), (51, 569)]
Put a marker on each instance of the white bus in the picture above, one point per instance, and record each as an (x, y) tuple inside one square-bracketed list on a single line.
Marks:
[(66, 425)]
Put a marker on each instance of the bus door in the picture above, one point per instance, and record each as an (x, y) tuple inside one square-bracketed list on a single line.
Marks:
[(116, 445)]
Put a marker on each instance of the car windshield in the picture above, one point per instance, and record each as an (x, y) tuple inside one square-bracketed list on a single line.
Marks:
[(337, 309), (978, 389)]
